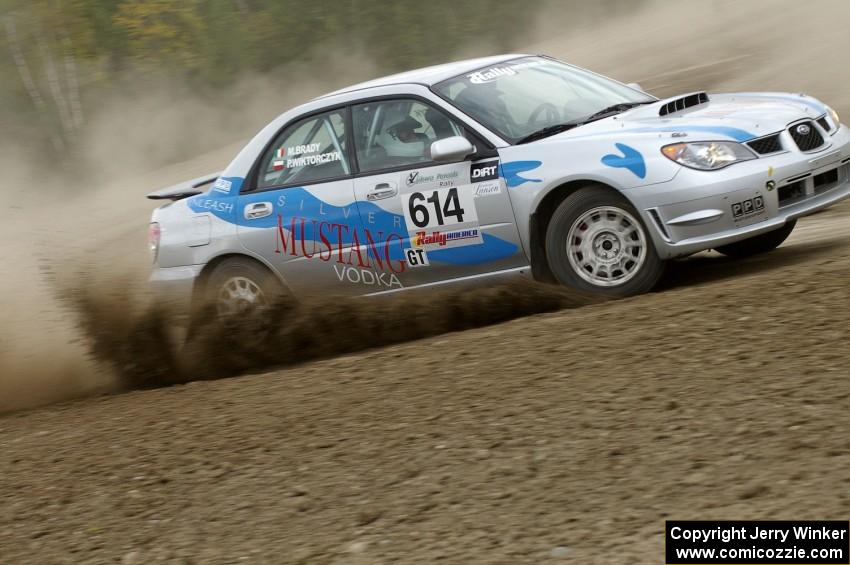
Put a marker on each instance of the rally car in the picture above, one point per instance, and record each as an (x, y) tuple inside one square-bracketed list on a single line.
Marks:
[(491, 168)]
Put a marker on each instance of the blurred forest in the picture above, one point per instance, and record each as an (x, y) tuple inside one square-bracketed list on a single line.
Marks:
[(73, 73), (57, 57)]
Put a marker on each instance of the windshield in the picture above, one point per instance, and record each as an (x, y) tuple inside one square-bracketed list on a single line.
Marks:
[(519, 97)]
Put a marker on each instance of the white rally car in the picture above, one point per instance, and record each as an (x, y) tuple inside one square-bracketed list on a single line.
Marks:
[(505, 166)]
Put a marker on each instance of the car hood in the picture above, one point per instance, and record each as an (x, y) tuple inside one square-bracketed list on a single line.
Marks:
[(739, 117)]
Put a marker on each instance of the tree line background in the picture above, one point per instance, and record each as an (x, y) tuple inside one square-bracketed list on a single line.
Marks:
[(59, 59)]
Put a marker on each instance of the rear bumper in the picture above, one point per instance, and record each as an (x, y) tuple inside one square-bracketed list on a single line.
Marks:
[(700, 210), (173, 286)]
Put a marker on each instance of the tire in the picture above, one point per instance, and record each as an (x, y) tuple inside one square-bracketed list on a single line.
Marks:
[(617, 259), (758, 244), (239, 285)]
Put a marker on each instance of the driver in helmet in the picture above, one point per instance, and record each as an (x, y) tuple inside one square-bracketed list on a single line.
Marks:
[(405, 141)]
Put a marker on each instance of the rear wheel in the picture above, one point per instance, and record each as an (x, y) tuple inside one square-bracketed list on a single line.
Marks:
[(240, 286), (760, 243), (596, 242)]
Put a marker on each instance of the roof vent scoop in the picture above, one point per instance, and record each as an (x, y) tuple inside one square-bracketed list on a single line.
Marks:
[(684, 102)]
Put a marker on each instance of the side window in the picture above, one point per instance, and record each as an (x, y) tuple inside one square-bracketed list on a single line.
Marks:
[(394, 133), (307, 151)]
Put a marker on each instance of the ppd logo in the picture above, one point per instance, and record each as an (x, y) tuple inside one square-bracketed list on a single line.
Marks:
[(748, 207), (488, 170)]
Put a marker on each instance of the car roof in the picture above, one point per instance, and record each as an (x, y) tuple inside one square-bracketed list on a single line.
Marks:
[(427, 75)]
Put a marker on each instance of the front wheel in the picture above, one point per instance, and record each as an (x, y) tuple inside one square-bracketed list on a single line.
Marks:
[(596, 242), (760, 243)]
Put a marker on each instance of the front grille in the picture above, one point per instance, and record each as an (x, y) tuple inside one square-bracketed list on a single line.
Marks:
[(823, 123), (765, 145), (806, 141)]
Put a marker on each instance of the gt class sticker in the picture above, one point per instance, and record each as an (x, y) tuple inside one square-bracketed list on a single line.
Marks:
[(417, 257)]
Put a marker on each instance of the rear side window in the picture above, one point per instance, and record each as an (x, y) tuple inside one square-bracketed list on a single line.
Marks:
[(308, 151)]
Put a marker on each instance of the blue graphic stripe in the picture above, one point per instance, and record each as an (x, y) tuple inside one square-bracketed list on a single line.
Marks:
[(630, 159), (492, 249), (302, 204), (512, 170)]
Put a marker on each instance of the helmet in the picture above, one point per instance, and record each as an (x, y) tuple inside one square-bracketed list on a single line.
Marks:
[(402, 140)]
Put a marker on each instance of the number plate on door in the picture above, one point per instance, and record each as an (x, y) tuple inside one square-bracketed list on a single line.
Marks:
[(440, 218)]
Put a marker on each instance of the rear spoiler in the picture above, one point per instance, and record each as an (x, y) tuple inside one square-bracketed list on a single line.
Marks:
[(185, 189)]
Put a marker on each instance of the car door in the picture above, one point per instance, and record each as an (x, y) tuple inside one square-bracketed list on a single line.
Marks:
[(444, 220), (301, 214)]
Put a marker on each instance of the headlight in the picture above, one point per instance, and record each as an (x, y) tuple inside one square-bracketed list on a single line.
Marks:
[(707, 155), (834, 115)]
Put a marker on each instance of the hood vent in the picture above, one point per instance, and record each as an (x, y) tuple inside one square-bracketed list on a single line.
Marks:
[(687, 101)]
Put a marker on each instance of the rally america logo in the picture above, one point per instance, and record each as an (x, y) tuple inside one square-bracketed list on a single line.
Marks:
[(485, 76)]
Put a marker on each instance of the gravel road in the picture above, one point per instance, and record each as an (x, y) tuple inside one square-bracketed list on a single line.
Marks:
[(565, 437)]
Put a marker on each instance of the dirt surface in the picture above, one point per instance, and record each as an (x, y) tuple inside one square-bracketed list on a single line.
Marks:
[(564, 437)]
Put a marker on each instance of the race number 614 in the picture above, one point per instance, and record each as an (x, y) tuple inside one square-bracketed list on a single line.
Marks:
[(421, 209)]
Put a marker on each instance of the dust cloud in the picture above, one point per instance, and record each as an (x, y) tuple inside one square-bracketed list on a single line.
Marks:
[(72, 240), (144, 351), (715, 45), (83, 225)]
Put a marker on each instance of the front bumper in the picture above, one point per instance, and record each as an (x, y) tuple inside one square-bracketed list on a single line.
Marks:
[(173, 286), (700, 210)]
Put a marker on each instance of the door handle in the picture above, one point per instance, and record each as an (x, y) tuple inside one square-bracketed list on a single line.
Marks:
[(382, 190), (258, 210)]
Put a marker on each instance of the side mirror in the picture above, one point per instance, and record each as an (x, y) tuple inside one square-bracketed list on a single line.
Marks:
[(636, 86), (454, 148)]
